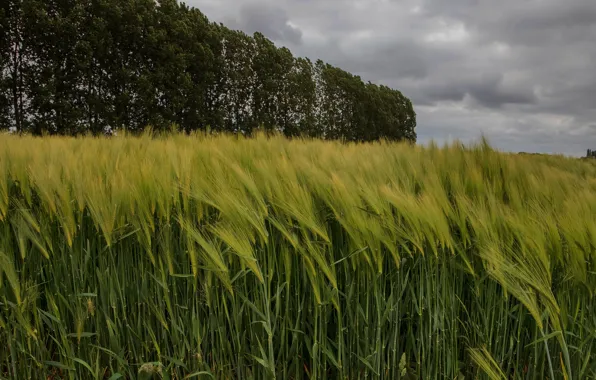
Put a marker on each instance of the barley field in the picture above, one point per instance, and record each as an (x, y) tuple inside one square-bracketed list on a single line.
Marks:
[(228, 258)]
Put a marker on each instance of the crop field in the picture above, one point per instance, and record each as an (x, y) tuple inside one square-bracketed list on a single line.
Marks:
[(267, 258)]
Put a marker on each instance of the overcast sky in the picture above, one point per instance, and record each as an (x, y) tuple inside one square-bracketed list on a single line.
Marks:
[(523, 72)]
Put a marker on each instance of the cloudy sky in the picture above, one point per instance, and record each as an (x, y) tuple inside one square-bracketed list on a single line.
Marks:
[(521, 72)]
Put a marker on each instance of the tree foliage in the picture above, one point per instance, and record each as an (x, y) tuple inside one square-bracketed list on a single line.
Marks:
[(79, 66)]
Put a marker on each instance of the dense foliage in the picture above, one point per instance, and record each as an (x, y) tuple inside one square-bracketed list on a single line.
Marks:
[(77, 66), (255, 259)]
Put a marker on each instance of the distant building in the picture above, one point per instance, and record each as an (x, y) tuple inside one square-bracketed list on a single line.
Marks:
[(591, 153)]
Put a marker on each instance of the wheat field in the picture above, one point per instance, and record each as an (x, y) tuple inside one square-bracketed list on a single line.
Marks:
[(230, 258)]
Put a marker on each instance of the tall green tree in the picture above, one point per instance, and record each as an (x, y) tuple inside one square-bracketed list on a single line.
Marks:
[(14, 62), (284, 91), (5, 119), (54, 79), (131, 25), (236, 83), (268, 71), (92, 56), (301, 99), (334, 101), (196, 38)]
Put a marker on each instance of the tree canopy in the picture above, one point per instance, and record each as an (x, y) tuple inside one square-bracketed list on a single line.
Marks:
[(78, 66)]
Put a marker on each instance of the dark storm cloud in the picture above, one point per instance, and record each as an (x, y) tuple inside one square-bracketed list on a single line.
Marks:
[(520, 72)]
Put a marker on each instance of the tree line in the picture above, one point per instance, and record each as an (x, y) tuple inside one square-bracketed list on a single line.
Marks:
[(79, 66)]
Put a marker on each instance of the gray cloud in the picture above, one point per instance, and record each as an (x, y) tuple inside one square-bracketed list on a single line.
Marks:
[(519, 22), (520, 72), (265, 18), (486, 89)]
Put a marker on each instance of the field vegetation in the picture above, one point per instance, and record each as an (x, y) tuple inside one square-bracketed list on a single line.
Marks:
[(268, 258)]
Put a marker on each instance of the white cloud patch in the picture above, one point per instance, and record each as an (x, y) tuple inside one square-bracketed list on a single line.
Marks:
[(448, 34)]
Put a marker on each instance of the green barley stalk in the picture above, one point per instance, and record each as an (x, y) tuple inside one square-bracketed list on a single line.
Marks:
[(218, 257)]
